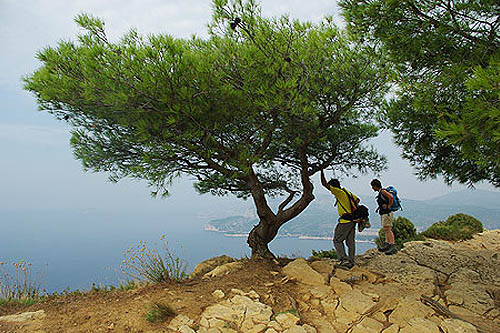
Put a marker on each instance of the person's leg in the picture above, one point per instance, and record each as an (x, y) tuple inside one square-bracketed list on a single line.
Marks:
[(387, 222), (389, 235), (351, 244), (338, 241)]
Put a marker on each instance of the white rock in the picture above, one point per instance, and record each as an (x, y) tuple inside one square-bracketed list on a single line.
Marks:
[(22, 317), (223, 270), (287, 320), (295, 329), (457, 326), (300, 271), (218, 294), (419, 325)]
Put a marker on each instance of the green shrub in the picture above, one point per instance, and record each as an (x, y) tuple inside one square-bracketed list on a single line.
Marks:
[(160, 312), (330, 254), (456, 227), (404, 231)]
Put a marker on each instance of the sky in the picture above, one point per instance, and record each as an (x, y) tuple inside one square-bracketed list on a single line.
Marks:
[(37, 167)]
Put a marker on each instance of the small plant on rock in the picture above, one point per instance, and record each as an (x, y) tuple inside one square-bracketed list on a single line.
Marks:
[(159, 312), (456, 227)]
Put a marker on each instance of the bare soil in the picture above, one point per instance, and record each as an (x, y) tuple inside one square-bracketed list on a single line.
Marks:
[(124, 311)]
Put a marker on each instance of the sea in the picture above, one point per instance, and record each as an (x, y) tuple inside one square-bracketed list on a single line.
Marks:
[(74, 250)]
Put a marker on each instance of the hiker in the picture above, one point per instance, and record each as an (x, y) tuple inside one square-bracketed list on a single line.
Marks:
[(345, 229), (385, 201)]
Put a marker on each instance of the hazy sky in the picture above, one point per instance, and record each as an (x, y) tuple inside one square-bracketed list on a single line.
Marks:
[(36, 164)]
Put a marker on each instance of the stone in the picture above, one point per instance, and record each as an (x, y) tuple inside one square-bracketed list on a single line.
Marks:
[(209, 264), (295, 329), (300, 271), (271, 330), (356, 301), (454, 297), (329, 308), (394, 328), (371, 324), (379, 316), (223, 269), (179, 321), (253, 294), (471, 296), (274, 325), (419, 325), (360, 329), (23, 317), (286, 320), (185, 329), (407, 309), (218, 294), (457, 326), (323, 267), (259, 328), (339, 287), (321, 292), (309, 328)]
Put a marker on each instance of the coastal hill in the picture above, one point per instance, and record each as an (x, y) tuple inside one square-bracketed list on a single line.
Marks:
[(428, 286), (319, 218)]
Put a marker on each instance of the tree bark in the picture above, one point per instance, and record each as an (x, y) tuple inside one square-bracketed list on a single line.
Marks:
[(259, 238), (267, 229)]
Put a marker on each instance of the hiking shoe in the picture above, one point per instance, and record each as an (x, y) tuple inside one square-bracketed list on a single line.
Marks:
[(384, 247), (391, 250), (344, 265)]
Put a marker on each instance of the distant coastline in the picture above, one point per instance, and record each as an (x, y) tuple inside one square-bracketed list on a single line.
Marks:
[(211, 228)]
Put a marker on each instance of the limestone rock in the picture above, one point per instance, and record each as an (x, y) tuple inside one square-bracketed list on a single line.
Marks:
[(23, 317), (223, 270), (218, 294), (457, 326), (356, 301), (209, 264), (240, 311), (394, 328), (300, 271), (179, 321), (287, 320), (419, 325), (409, 308), (295, 329), (323, 267), (339, 287), (369, 324)]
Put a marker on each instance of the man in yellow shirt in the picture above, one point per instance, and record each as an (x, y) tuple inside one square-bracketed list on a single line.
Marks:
[(345, 229)]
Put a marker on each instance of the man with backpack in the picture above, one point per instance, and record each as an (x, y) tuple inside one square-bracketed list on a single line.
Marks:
[(386, 207), (345, 230)]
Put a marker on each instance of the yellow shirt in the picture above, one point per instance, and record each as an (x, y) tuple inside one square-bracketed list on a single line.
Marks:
[(343, 202)]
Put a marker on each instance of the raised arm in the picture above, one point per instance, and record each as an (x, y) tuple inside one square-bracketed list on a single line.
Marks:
[(323, 180)]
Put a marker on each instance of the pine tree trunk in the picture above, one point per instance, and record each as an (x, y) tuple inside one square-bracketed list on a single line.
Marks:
[(259, 238)]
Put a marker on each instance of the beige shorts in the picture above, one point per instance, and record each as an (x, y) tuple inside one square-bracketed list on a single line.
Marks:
[(387, 219)]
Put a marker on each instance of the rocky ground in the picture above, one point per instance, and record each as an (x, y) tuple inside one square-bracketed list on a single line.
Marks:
[(429, 286)]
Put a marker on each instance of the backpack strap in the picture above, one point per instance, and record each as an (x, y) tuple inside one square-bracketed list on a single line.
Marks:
[(352, 202)]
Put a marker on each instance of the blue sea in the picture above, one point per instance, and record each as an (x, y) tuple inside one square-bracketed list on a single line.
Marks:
[(73, 250)]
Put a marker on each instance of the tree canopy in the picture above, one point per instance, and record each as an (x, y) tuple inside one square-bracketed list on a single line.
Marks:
[(445, 111), (255, 110)]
